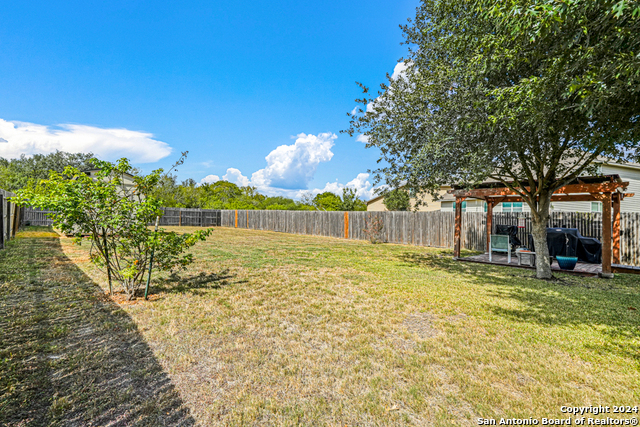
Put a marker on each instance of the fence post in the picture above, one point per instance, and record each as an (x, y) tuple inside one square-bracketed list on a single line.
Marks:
[(16, 221), (236, 218), (346, 225), (2, 218)]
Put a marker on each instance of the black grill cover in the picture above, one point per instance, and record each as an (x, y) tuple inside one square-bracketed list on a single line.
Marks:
[(569, 242), (511, 231)]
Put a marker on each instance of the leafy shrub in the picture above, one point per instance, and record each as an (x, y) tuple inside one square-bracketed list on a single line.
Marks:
[(115, 217)]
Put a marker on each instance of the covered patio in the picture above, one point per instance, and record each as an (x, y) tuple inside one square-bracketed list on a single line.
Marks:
[(608, 189)]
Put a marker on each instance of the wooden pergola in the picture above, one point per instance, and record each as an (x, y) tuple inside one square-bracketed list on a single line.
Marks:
[(608, 189)]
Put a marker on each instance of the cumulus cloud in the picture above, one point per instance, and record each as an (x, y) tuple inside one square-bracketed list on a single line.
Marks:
[(364, 189), (293, 166), (109, 144), (210, 179), (290, 168), (235, 176), (362, 138), (399, 70)]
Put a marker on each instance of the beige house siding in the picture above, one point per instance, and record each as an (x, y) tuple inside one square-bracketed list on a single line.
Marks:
[(630, 173), (377, 203), (127, 180)]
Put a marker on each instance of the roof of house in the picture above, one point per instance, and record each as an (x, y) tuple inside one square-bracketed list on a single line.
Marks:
[(89, 171)]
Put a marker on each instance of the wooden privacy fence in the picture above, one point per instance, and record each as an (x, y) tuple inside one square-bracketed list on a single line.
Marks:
[(10, 214), (411, 228), (435, 229), (34, 216), (171, 216), (190, 217)]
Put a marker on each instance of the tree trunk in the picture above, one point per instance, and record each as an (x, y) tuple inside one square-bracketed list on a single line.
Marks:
[(540, 220)]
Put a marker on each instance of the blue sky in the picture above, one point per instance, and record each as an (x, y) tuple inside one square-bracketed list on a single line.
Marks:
[(257, 91)]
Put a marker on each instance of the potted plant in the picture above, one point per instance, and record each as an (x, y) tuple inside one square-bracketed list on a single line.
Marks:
[(567, 262)]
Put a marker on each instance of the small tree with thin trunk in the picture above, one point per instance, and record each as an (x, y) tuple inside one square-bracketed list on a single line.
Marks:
[(114, 216), (527, 92)]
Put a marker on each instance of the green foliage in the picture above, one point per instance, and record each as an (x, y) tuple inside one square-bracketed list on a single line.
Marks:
[(327, 201), (351, 202), (397, 200), (114, 216), (527, 92), (219, 195), (18, 173)]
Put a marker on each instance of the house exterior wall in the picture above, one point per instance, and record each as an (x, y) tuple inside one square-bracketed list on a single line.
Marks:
[(630, 173), (377, 204)]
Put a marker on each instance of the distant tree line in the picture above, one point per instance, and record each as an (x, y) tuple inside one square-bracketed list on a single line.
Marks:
[(26, 172), (227, 195)]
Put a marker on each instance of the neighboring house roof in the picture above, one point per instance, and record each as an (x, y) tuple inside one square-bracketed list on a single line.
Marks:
[(91, 172), (629, 165)]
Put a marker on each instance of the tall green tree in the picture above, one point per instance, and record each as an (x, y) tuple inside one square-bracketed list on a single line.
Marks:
[(18, 173), (527, 92), (397, 200), (327, 201), (351, 202)]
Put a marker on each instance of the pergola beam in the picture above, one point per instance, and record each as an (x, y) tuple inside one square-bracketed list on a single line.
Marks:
[(605, 187)]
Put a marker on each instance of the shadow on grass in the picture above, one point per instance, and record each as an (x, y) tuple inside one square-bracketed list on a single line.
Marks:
[(175, 283), (69, 355), (610, 305)]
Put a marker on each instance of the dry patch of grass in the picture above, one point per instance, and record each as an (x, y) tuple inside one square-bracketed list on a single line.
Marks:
[(275, 329)]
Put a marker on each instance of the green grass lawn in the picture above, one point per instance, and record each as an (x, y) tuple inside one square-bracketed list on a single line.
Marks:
[(274, 329)]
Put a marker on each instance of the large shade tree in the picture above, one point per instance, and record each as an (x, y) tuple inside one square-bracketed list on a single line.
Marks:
[(527, 92)]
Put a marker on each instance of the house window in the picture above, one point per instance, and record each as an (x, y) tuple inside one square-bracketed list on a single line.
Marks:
[(512, 207), (464, 206), (596, 206)]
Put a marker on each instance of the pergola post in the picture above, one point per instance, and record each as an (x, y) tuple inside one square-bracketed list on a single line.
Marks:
[(489, 222), (606, 234), (616, 228), (458, 227)]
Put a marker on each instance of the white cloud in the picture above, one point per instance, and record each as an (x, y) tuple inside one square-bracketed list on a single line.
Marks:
[(362, 138), (108, 144), (354, 111), (290, 168), (399, 70), (293, 166), (364, 189), (210, 179), (235, 176)]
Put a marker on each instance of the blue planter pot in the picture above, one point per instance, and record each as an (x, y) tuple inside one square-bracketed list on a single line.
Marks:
[(567, 262)]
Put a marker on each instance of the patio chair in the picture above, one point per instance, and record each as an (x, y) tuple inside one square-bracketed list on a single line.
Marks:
[(512, 232), (499, 243)]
